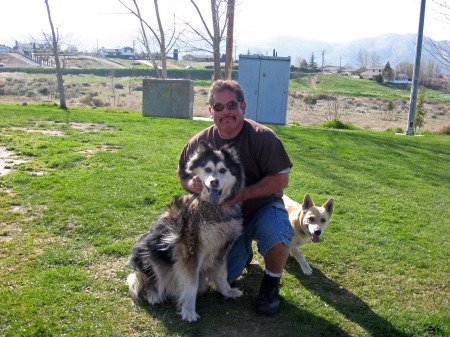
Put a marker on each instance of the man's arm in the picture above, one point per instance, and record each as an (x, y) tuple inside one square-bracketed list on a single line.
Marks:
[(266, 186)]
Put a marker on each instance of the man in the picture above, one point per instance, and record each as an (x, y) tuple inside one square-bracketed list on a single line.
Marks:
[(267, 166)]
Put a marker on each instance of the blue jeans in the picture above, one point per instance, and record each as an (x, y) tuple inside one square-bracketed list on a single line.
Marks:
[(269, 226)]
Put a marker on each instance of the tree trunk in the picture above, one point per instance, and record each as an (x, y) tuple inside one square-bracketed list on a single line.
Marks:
[(216, 41), (145, 40), (62, 95), (162, 43), (230, 28)]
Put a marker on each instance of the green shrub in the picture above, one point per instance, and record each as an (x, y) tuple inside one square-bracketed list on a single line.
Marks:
[(445, 130), (310, 99), (88, 99), (337, 124), (44, 91), (30, 93), (97, 101)]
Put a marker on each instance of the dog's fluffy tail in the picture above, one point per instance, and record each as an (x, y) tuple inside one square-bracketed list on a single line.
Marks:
[(137, 282)]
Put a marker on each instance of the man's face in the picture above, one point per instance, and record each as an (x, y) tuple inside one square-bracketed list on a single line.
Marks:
[(230, 119)]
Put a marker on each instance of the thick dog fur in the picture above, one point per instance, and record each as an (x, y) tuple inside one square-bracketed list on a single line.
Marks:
[(309, 222), (186, 248)]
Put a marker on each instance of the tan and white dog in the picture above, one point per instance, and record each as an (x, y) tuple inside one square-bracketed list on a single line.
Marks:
[(309, 222)]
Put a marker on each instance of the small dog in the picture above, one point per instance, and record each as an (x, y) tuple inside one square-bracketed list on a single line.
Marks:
[(187, 247), (309, 223)]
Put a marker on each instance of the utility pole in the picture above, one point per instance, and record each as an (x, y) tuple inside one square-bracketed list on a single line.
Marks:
[(230, 27), (415, 83), (323, 59)]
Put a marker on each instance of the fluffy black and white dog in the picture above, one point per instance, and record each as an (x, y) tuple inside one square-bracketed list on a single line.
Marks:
[(186, 248)]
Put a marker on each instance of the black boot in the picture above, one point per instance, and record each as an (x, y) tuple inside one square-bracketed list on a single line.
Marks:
[(268, 301)]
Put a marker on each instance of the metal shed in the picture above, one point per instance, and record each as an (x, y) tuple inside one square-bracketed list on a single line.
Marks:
[(168, 98), (265, 81)]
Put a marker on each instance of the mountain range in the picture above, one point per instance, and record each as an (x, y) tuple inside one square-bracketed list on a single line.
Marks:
[(394, 48)]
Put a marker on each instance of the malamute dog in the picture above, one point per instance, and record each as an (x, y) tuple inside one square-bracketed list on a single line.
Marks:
[(187, 246), (309, 222)]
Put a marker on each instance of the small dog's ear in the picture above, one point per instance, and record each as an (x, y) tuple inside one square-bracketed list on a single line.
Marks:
[(307, 202), (329, 205)]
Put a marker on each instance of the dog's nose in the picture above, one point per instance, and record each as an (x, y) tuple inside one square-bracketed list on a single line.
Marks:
[(214, 182), (317, 232)]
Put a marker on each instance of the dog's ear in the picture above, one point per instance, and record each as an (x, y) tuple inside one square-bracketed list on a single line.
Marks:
[(329, 205), (195, 159), (203, 147), (232, 150), (307, 202)]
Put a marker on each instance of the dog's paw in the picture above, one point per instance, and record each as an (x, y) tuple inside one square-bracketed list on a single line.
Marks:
[(233, 293), (307, 270), (189, 315), (153, 297)]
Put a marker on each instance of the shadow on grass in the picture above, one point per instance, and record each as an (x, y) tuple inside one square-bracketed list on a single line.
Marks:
[(347, 303), (237, 317)]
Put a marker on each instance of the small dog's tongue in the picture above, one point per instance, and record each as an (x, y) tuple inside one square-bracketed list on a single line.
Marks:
[(315, 238), (214, 196)]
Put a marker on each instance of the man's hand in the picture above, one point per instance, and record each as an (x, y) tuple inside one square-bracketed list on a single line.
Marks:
[(196, 185), (241, 196), (193, 185), (266, 186)]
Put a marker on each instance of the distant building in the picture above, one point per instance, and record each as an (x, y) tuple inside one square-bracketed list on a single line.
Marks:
[(198, 58), (373, 72), (351, 71), (31, 50), (123, 53), (3, 49)]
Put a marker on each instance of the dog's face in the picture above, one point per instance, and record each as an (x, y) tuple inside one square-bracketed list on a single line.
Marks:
[(217, 181), (315, 219), (220, 172)]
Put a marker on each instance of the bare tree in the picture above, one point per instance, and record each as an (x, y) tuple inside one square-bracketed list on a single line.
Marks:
[(159, 36), (59, 77), (210, 39), (405, 68), (440, 50), (374, 59), (363, 58)]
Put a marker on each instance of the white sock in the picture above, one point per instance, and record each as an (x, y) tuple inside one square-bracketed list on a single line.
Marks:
[(272, 274)]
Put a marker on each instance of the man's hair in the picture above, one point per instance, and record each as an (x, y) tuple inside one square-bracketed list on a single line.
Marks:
[(222, 85)]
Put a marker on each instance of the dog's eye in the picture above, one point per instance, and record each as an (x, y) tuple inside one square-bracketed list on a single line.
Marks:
[(311, 219), (208, 170), (322, 220), (222, 170)]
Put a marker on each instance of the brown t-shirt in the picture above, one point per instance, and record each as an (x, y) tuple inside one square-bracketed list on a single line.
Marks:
[(261, 152)]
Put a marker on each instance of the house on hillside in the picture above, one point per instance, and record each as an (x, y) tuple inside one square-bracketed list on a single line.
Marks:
[(373, 72), (402, 78), (126, 52), (351, 71), (3, 49), (332, 69), (198, 58), (30, 50)]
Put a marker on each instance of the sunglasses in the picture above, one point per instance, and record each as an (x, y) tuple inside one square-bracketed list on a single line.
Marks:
[(231, 105)]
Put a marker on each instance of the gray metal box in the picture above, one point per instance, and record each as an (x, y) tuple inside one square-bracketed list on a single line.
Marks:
[(168, 98), (265, 81)]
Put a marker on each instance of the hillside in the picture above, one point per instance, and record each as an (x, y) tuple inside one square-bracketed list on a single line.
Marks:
[(394, 48)]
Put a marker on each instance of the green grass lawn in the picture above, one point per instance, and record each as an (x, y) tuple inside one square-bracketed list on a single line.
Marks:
[(338, 85), (381, 269)]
